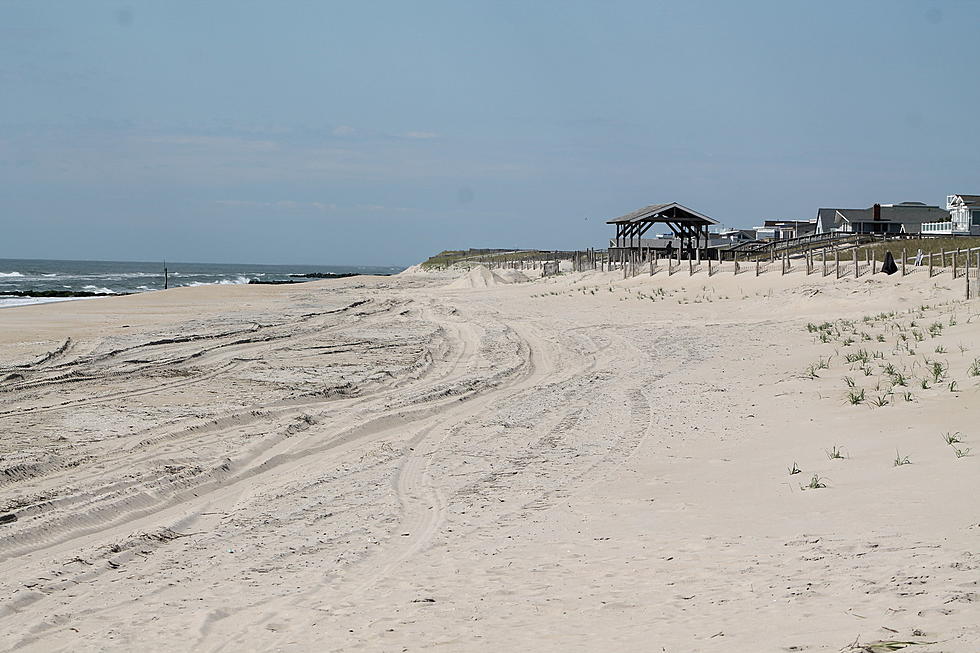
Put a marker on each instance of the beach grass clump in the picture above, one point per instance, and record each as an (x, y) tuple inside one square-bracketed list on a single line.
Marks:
[(815, 483), (952, 438), (835, 453), (859, 356), (899, 379), (849, 381), (975, 367), (879, 401), (901, 460), (960, 453), (795, 469), (855, 397)]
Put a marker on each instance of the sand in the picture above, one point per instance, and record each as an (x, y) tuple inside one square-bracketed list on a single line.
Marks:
[(574, 463)]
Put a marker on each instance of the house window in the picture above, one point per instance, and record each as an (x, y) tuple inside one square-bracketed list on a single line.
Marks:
[(976, 218)]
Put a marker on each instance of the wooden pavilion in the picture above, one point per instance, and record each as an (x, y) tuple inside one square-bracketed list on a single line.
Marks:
[(689, 227)]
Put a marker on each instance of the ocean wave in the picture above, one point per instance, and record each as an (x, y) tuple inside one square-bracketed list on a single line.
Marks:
[(106, 291), (11, 274), (11, 302), (223, 282)]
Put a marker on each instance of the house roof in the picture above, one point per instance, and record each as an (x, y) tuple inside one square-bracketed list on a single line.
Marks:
[(672, 212), (970, 200), (907, 213), (826, 215)]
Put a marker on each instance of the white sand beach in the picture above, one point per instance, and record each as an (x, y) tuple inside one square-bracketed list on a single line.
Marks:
[(483, 463)]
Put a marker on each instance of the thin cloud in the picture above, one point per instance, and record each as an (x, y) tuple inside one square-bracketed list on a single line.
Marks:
[(224, 143), (421, 135), (291, 205)]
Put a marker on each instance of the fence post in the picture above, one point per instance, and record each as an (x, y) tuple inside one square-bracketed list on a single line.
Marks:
[(757, 267), (903, 261), (930, 265), (735, 259), (967, 273), (855, 263), (836, 264), (690, 267), (823, 261), (956, 255)]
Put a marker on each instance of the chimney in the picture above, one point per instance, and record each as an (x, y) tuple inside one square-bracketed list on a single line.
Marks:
[(877, 211)]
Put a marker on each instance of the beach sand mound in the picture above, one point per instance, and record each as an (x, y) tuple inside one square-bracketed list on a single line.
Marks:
[(510, 276), (409, 271), (478, 277), (482, 277)]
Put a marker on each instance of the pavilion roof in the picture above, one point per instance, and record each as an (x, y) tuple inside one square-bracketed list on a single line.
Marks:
[(672, 212)]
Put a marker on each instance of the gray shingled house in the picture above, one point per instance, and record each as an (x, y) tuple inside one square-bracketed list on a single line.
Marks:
[(904, 218)]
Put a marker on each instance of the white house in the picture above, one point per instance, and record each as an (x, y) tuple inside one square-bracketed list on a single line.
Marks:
[(783, 229), (964, 218)]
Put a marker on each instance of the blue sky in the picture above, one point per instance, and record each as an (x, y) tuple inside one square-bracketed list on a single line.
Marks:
[(381, 132)]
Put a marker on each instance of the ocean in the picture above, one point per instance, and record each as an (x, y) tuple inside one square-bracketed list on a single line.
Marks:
[(120, 277)]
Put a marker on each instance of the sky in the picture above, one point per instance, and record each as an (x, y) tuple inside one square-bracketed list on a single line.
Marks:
[(378, 133)]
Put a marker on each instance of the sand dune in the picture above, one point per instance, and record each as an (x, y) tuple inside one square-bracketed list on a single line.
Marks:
[(574, 463), (480, 276)]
